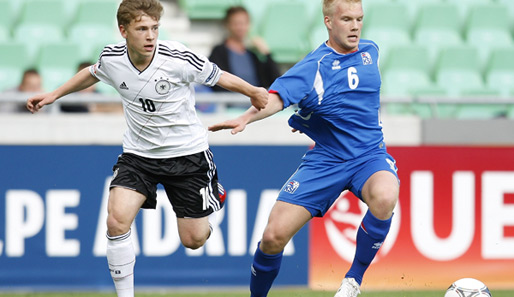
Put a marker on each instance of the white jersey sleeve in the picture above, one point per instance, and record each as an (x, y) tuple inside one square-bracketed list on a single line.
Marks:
[(109, 51)]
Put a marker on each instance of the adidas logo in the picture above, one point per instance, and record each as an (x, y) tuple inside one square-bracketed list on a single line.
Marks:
[(123, 86)]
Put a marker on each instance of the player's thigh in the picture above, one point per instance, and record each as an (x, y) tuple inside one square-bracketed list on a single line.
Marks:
[(285, 220), (193, 229), (380, 192), (122, 208)]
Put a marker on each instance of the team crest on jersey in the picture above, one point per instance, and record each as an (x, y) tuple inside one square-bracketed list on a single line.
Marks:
[(366, 58), (291, 186), (336, 65), (162, 86)]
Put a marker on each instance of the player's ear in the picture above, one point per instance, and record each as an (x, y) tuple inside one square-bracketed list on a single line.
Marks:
[(328, 22), (123, 31)]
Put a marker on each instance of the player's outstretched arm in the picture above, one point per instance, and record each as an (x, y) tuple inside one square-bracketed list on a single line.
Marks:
[(275, 104), (258, 96), (79, 81)]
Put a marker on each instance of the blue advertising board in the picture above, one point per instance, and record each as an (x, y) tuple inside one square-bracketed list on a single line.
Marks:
[(53, 209)]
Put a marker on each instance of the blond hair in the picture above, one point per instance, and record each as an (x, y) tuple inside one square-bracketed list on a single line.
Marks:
[(130, 10), (328, 5)]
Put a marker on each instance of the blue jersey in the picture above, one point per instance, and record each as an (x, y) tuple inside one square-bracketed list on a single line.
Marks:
[(339, 100)]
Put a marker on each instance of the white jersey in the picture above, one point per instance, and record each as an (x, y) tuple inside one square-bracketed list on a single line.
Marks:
[(159, 101)]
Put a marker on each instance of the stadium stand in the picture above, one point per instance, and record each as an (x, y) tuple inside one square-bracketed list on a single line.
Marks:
[(452, 51), (488, 27), (437, 25), (93, 27), (207, 9), (57, 62), (12, 64), (388, 25), (284, 28)]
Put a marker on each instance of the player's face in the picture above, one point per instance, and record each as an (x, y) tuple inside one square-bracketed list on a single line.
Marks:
[(345, 26), (141, 35)]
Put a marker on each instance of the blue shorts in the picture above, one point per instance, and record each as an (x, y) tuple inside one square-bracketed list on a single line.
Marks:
[(317, 184)]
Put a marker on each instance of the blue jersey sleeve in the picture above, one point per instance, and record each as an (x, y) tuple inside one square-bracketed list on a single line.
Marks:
[(296, 83)]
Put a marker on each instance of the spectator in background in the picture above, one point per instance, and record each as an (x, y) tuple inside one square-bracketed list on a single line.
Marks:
[(247, 58), (31, 82)]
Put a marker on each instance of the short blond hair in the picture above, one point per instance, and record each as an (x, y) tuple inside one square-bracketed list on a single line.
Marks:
[(328, 5)]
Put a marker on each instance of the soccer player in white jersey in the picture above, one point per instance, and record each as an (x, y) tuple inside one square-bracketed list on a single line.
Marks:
[(337, 87), (165, 141)]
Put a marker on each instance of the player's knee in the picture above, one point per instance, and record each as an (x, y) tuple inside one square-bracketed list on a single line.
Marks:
[(193, 242), (273, 242), (116, 227), (383, 202)]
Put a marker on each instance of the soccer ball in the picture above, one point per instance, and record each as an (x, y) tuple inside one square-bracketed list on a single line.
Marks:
[(468, 287)]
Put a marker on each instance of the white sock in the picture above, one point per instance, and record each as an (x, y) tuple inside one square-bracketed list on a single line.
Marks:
[(213, 221), (121, 258)]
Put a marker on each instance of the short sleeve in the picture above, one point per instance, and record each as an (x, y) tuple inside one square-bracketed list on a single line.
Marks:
[(297, 83), (99, 71), (197, 67)]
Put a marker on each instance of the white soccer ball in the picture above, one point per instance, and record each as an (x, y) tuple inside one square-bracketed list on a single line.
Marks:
[(468, 287)]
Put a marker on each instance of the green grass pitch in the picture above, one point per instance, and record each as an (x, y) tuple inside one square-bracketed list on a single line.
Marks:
[(241, 293)]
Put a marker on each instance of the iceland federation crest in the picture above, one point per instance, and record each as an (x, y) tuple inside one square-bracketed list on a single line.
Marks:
[(366, 58), (291, 186)]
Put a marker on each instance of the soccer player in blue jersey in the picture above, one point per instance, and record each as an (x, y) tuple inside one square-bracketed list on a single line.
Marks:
[(337, 89)]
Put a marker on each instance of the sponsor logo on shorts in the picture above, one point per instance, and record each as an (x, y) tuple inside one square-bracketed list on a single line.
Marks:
[(392, 164), (115, 173), (291, 186)]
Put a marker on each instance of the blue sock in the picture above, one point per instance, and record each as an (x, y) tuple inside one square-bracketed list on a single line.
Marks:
[(264, 271), (370, 236)]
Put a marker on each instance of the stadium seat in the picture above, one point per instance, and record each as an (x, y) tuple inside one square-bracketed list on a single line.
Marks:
[(481, 111), (388, 25), (285, 30), (7, 18), (406, 69), (509, 4), (367, 5), (414, 7), (57, 62), (404, 73), (465, 5), (35, 35), (488, 27), (94, 24), (45, 12), (257, 9), (437, 24), (207, 9), (13, 61), (90, 36), (500, 71), (317, 33), (458, 70), (97, 12)]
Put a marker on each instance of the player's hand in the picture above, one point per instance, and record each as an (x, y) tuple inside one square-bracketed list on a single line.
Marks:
[(259, 98), (35, 103), (296, 130), (237, 125)]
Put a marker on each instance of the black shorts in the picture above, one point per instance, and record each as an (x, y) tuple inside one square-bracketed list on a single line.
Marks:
[(190, 182)]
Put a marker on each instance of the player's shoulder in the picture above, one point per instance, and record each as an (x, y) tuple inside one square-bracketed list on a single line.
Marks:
[(366, 44), (169, 49), (114, 50)]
